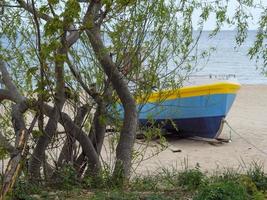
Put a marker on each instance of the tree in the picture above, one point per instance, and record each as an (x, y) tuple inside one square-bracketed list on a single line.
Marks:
[(69, 62)]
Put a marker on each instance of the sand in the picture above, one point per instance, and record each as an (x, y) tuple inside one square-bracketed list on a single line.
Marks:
[(248, 117)]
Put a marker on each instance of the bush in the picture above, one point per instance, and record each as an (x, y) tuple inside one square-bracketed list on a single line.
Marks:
[(251, 188), (66, 178), (156, 197), (256, 173), (24, 190), (115, 195), (242, 179), (120, 195), (104, 179), (191, 179), (224, 190), (146, 183), (228, 175)]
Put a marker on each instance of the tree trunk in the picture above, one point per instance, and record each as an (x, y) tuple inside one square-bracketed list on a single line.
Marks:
[(39, 151), (99, 127), (76, 132), (66, 154), (128, 132), (79, 163), (20, 151)]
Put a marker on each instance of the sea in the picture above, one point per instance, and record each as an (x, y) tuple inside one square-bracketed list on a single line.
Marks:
[(229, 61)]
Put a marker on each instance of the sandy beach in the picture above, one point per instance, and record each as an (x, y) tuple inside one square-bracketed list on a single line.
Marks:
[(248, 117)]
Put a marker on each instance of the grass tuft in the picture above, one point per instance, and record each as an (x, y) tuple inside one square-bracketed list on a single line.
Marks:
[(257, 175), (191, 179), (166, 184), (224, 190)]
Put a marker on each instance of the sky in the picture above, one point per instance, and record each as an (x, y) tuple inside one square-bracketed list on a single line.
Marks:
[(256, 13)]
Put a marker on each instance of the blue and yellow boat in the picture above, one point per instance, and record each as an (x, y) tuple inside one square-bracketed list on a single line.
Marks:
[(190, 111)]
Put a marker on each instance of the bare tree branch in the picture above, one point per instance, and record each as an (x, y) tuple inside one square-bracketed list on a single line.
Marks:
[(66, 154), (73, 36), (76, 132), (13, 90), (5, 94)]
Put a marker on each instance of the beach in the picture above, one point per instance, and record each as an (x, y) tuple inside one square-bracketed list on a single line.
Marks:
[(248, 119)]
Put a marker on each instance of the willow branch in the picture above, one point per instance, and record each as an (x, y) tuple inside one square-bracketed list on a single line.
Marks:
[(13, 90), (30, 9)]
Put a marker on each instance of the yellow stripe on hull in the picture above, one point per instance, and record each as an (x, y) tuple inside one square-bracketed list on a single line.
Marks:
[(191, 91)]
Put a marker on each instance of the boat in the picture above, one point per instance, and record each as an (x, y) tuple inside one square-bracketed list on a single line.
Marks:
[(190, 111)]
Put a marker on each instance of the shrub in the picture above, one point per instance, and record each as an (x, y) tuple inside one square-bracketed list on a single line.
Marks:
[(229, 175), (244, 180), (224, 190), (156, 197), (24, 190), (66, 178), (249, 185), (256, 173), (120, 195), (191, 179), (103, 179), (146, 183), (115, 195)]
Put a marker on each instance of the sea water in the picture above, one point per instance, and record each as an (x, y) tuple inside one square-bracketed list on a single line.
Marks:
[(228, 60)]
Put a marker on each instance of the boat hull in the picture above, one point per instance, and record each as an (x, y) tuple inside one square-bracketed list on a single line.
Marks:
[(206, 127), (190, 111), (200, 116)]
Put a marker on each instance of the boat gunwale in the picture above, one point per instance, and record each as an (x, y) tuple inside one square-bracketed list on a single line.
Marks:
[(191, 91)]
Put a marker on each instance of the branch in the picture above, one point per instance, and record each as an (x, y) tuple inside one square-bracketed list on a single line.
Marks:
[(20, 151), (73, 36), (76, 132), (70, 39), (5, 143), (66, 154), (30, 9), (5, 95), (77, 75), (128, 131), (13, 90)]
